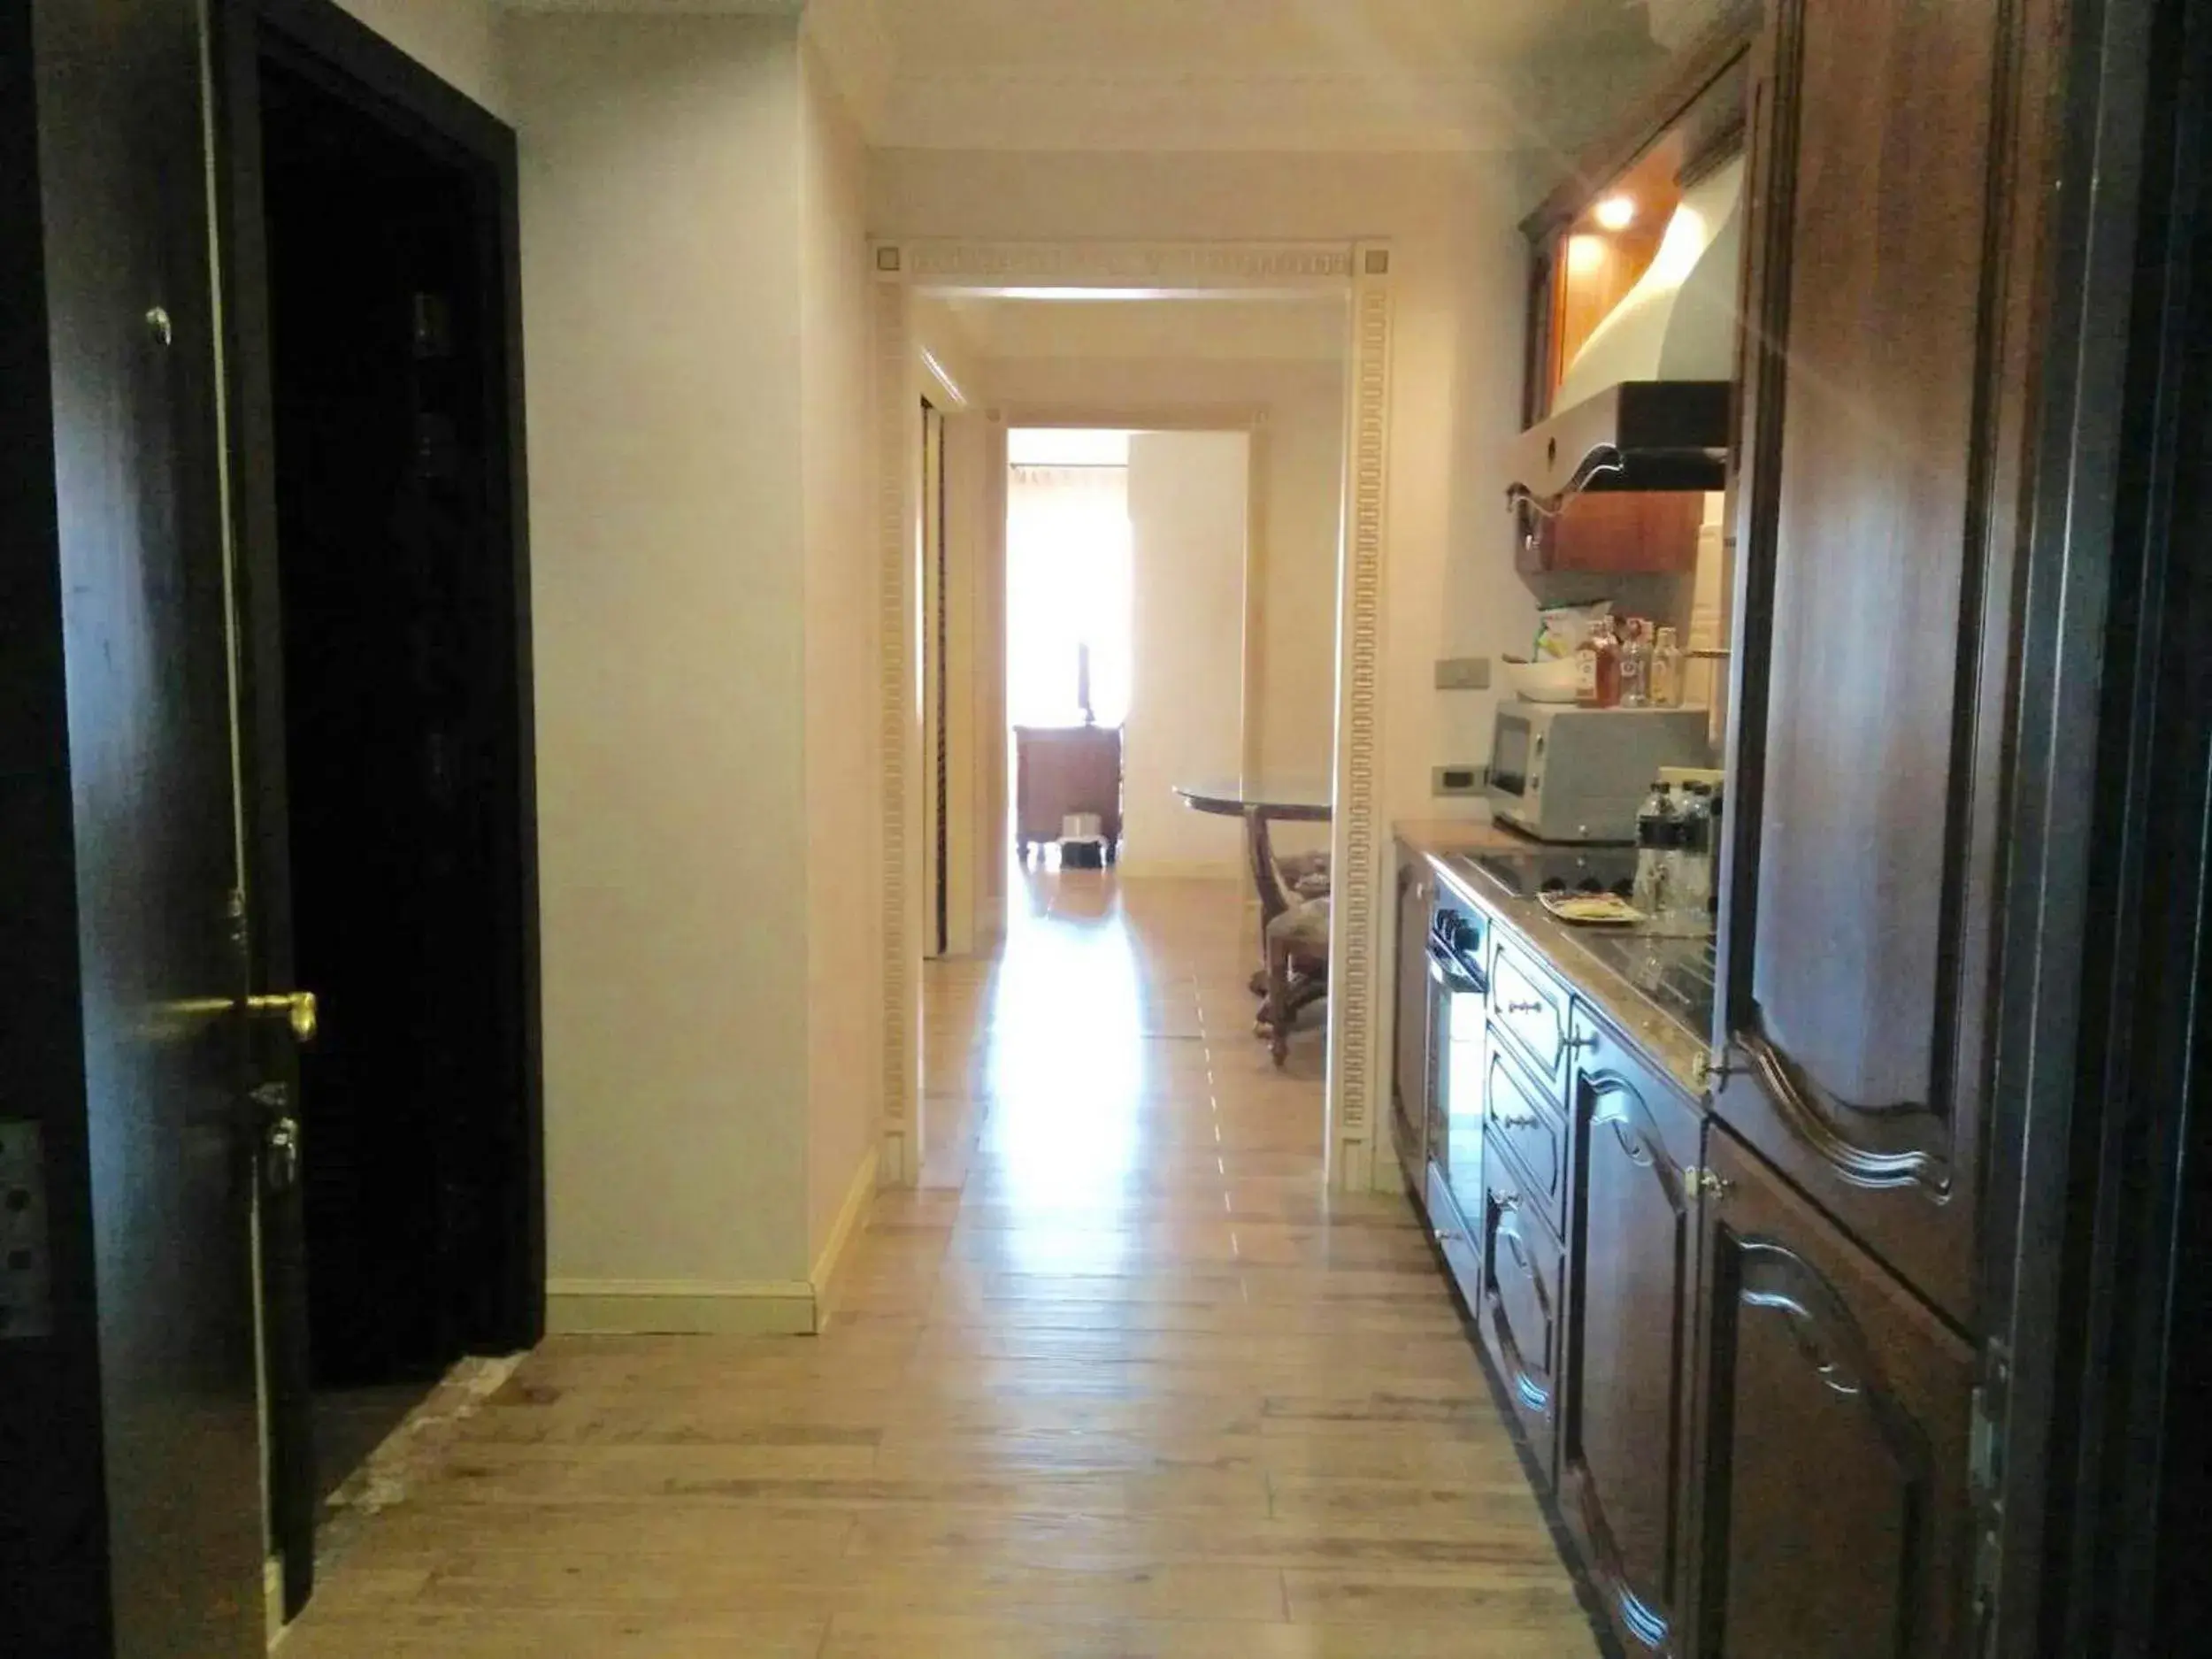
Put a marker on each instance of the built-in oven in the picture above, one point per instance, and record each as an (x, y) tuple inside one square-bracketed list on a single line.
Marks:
[(1459, 997)]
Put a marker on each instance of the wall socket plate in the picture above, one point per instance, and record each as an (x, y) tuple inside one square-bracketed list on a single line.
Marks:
[(27, 1256), (1459, 780), (1462, 673)]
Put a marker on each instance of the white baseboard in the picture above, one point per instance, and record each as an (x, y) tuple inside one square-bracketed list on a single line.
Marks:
[(649, 1307), (852, 1216), (272, 1600)]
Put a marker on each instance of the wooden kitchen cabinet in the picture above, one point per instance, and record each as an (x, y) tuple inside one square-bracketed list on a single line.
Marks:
[(1834, 1413), (1621, 532), (1518, 1312), (1891, 284), (1630, 1295)]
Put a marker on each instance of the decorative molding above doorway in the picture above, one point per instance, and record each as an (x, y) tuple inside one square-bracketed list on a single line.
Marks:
[(1361, 271)]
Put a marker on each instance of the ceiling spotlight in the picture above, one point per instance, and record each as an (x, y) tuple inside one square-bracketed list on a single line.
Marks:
[(1615, 213)]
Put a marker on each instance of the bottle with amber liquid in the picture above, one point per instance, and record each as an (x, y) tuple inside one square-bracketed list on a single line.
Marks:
[(1598, 667)]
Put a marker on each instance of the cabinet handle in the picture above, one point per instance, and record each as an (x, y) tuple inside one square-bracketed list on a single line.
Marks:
[(1449, 1237), (1583, 1042), (1524, 1008), (1523, 1120), (1503, 1203), (1712, 1184)]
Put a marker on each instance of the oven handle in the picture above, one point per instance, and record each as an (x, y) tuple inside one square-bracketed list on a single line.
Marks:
[(1450, 975)]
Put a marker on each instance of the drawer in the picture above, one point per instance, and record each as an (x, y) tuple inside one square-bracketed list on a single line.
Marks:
[(1531, 1013), (1519, 1311), (1520, 1118)]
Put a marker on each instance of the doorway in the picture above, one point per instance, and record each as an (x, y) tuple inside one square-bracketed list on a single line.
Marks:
[(385, 744)]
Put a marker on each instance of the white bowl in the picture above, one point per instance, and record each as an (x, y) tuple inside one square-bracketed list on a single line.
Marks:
[(1551, 680)]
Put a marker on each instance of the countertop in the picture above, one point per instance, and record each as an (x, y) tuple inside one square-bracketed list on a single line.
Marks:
[(1664, 1040)]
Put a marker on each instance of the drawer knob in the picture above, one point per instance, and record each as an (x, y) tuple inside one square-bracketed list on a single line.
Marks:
[(1524, 1008)]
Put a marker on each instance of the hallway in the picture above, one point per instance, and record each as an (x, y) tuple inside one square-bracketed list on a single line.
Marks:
[(1123, 1381)]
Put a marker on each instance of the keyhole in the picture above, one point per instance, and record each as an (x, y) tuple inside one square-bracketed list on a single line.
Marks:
[(159, 325)]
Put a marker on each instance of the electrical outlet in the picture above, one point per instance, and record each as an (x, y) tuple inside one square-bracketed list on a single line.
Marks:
[(27, 1288), (1460, 781), (1464, 674)]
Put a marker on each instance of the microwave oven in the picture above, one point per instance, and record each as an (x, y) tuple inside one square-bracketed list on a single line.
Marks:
[(1566, 773)]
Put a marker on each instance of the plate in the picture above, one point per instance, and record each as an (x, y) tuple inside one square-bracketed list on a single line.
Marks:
[(1592, 909)]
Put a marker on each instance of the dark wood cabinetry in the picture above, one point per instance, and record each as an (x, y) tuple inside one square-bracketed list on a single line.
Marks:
[(1625, 1429), (1519, 1305), (1891, 281), (1833, 1459), (1528, 1011)]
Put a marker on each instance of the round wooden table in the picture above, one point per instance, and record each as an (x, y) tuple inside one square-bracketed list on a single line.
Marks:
[(1261, 802)]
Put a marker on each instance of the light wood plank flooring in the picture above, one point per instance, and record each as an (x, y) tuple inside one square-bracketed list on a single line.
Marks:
[(1124, 1381)]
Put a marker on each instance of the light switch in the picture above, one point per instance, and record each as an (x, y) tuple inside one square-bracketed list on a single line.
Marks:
[(1461, 781)]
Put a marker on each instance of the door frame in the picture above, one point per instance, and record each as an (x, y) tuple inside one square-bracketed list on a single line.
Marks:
[(1364, 910), (350, 61), (2098, 1468)]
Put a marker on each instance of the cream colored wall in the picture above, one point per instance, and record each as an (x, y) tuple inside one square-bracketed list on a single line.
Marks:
[(456, 40), (1189, 493), (660, 178), (843, 737), (1459, 280)]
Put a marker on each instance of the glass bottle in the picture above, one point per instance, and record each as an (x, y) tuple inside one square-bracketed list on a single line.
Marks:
[(1666, 674), (1636, 657), (1598, 666)]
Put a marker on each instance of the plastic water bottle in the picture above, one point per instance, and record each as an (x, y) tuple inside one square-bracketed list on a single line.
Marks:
[(1655, 824), (1689, 881)]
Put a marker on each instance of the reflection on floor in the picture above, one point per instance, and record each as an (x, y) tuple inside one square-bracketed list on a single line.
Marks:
[(1124, 1381)]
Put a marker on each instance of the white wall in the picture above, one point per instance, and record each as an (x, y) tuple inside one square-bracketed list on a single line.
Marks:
[(1188, 495), (844, 763), (456, 40), (661, 182)]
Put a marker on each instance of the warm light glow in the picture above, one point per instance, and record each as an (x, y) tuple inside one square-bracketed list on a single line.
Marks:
[(1584, 254), (1679, 249), (1615, 213)]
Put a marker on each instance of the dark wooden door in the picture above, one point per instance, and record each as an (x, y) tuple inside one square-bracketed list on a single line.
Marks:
[(1832, 1440), (1893, 274), (166, 1157), (1624, 1428)]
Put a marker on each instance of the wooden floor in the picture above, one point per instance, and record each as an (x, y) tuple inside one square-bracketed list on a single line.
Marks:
[(1124, 1381)]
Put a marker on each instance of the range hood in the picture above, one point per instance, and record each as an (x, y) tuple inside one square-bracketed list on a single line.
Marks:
[(1644, 404)]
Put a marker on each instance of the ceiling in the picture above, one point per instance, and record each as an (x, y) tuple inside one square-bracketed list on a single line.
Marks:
[(1251, 36), (1272, 75), (1297, 75)]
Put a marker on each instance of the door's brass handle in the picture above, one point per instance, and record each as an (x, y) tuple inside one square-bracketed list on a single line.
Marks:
[(296, 1009)]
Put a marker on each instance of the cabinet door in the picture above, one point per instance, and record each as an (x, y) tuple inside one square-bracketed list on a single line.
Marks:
[(1834, 1414), (1531, 1013), (1891, 281), (1519, 1119), (1623, 1434), (1519, 1309), (1409, 1069)]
